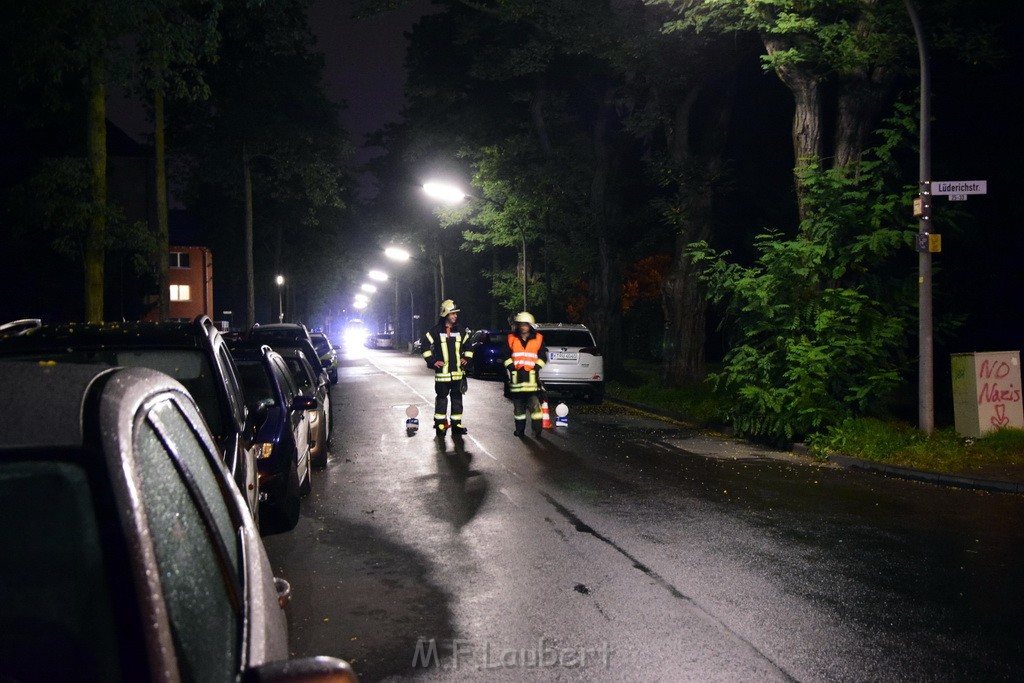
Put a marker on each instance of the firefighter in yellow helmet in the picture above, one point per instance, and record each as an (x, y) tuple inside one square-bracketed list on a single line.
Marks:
[(446, 351), (526, 355)]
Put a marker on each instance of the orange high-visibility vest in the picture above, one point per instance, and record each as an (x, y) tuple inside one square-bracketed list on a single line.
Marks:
[(524, 357)]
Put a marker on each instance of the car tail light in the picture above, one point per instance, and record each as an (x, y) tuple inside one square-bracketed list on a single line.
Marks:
[(592, 350), (263, 450)]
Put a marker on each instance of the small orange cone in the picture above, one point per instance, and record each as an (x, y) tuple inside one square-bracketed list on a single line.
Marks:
[(547, 416)]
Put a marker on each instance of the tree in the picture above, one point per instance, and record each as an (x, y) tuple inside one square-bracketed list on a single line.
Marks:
[(819, 321), (267, 133), (173, 40)]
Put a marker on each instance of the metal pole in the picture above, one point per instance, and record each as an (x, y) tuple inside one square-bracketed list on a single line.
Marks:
[(412, 317), (925, 370), (280, 304), (440, 269), (522, 234), (396, 309)]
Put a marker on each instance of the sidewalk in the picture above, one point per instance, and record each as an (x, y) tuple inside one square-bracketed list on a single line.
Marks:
[(1003, 479)]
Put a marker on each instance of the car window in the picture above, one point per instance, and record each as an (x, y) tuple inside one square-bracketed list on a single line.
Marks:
[(299, 373), (323, 346), (255, 384), (232, 385), (190, 367), (183, 501), (56, 605), (284, 377), (567, 338)]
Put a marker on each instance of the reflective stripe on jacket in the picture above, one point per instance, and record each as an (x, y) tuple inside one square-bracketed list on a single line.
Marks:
[(524, 361), (446, 344)]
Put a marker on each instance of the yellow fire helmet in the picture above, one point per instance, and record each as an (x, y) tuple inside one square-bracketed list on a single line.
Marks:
[(448, 306), (524, 317)]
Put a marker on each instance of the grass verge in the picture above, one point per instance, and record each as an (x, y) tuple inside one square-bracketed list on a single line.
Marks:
[(999, 454)]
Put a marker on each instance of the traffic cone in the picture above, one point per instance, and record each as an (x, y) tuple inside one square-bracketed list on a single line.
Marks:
[(547, 416)]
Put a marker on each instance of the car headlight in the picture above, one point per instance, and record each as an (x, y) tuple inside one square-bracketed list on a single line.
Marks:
[(263, 450)]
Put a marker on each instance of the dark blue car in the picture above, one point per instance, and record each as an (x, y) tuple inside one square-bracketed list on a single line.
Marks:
[(489, 350), (279, 418)]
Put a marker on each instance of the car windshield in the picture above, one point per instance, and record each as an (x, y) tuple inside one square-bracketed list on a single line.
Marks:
[(189, 366), (256, 384), (323, 347), (54, 583), (567, 338), (270, 336)]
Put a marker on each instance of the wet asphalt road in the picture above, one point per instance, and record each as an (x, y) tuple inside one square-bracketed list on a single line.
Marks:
[(610, 550)]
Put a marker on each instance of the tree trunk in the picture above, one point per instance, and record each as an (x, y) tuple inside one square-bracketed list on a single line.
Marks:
[(163, 241), (684, 300), (605, 307), (250, 278), (807, 133), (861, 97), (95, 241)]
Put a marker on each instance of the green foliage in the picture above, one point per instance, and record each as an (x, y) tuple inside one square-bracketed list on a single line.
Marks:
[(55, 203), (901, 444), (818, 333)]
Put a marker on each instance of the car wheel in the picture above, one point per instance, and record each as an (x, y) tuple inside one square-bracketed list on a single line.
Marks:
[(333, 376), (596, 395)]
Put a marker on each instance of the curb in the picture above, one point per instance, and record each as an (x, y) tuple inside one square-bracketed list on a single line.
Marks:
[(848, 462), (926, 476)]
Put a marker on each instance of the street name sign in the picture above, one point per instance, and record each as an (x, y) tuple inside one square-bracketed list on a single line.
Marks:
[(957, 189)]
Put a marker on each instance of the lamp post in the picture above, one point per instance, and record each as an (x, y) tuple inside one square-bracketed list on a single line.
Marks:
[(925, 367), (450, 194), (401, 255), (280, 299)]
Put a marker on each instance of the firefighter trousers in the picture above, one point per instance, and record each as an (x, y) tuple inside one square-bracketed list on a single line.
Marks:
[(443, 391)]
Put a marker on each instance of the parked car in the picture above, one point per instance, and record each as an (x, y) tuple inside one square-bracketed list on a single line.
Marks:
[(381, 340), (129, 554), (489, 350), (328, 354), (194, 353), (268, 334), (312, 383), (281, 433), (574, 363)]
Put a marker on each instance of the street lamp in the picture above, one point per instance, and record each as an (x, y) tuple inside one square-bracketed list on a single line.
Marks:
[(280, 299), (368, 288), (401, 255), (378, 275), (452, 195)]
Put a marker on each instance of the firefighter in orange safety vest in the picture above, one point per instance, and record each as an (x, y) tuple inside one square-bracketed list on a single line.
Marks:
[(526, 355), (446, 351)]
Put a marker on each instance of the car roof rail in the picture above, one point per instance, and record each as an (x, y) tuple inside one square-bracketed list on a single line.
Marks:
[(205, 324), (21, 326)]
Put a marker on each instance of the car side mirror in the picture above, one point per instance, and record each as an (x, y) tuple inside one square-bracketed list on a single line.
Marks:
[(256, 418), (302, 402), (306, 669)]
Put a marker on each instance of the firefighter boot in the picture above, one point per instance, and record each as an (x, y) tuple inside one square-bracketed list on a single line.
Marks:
[(520, 428), (440, 427), (457, 428), (537, 426)]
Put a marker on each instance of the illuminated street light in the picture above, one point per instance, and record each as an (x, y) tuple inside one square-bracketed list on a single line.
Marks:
[(397, 254), (280, 299), (452, 195), (359, 305), (444, 192), (361, 297), (368, 288), (378, 275)]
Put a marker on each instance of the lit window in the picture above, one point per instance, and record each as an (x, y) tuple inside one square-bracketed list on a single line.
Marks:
[(179, 259), (180, 293)]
